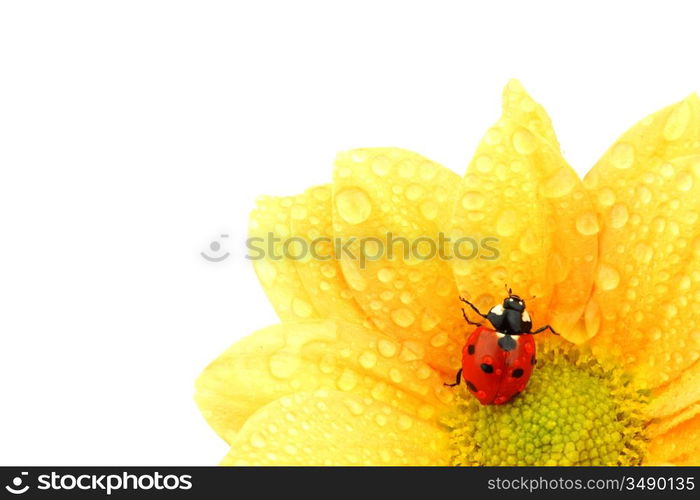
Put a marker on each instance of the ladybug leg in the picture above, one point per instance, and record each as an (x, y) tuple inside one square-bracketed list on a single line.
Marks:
[(473, 307), (457, 380), (543, 328), (466, 318)]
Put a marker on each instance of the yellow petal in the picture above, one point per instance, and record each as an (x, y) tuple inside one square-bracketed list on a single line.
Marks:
[(663, 425), (520, 190), (320, 273), (393, 199), (647, 189), (305, 356), (677, 394), (333, 428), (269, 233), (680, 445)]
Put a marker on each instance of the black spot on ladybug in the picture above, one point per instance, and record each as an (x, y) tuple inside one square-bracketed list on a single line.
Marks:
[(533, 360), (471, 386), (507, 343), (517, 373), (470, 349), (487, 368)]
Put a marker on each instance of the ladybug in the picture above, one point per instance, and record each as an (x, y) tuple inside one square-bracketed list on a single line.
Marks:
[(497, 362)]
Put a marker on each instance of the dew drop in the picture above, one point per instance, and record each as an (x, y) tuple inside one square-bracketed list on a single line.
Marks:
[(427, 170), (407, 169), (405, 422), (380, 420), (643, 195), (684, 181), (473, 200), (429, 321), (328, 271), (368, 360), (524, 142), (414, 192), (298, 212), (506, 223), (439, 339), (257, 440), (403, 317), (353, 205), (606, 197), (587, 224), (643, 253), (677, 122), (426, 411), (387, 348), (483, 164), (622, 155), (347, 380), (607, 277), (429, 209), (352, 275), (381, 165), (618, 216), (301, 308), (395, 375), (356, 408), (385, 275), (560, 184)]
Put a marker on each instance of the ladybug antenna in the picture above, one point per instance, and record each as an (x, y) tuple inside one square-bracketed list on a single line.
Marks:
[(509, 290)]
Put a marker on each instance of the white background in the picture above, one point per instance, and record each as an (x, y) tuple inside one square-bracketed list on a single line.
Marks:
[(132, 134)]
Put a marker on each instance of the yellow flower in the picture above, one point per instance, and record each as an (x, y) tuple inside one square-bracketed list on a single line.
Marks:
[(354, 373)]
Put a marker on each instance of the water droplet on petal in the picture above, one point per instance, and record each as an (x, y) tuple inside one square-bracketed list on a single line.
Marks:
[(484, 164), (429, 209), (587, 224), (643, 253), (353, 204), (403, 317), (387, 348), (395, 375), (684, 182), (473, 200), (506, 224), (381, 165), (560, 184), (356, 408), (622, 155), (677, 122), (405, 422), (618, 216), (257, 440), (347, 380), (607, 277), (414, 192), (385, 275), (643, 195), (407, 169), (353, 275), (524, 142), (606, 197), (368, 359)]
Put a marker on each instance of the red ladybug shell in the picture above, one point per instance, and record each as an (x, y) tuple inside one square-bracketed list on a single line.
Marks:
[(492, 374)]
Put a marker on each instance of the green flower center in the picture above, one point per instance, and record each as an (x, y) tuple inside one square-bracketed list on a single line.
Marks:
[(574, 411)]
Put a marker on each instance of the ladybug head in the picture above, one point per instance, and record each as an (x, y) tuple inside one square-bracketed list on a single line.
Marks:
[(514, 303)]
